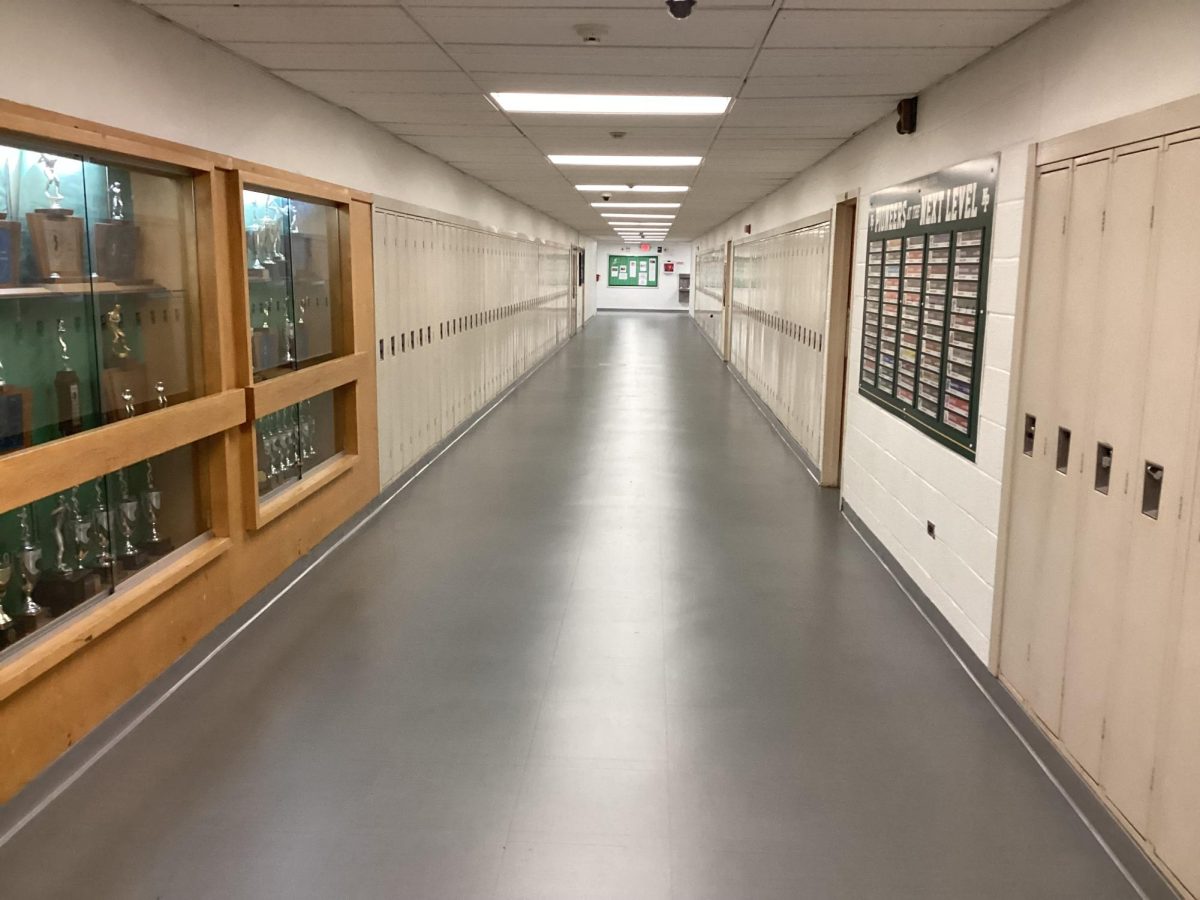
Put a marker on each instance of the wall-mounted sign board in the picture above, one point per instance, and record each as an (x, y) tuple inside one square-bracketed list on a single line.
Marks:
[(632, 271), (925, 299)]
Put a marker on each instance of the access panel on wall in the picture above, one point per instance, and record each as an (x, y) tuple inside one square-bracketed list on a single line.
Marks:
[(632, 271), (924, 303)]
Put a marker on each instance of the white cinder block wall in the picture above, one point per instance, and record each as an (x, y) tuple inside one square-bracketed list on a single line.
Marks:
[(130, 69), (1088, 63), (664, 297)]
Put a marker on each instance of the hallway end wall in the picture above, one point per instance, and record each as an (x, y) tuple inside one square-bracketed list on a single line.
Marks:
[(663, 298), (1086, 64)]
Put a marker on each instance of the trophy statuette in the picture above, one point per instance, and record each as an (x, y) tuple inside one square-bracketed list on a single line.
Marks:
[(116, 240), (66, 585), (56, 232), (66, 388)]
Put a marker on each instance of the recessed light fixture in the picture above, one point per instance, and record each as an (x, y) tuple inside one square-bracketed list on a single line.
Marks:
[(609, 205), (611, 104), (643, 226), (637, 215), (637, 188), (570, 159)]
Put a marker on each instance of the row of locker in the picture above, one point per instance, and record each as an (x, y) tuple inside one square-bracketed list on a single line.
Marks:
[(460, 314), (780, 306), (709, 297), (1100, 632)]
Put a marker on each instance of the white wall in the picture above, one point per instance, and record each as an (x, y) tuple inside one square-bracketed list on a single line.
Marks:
[(123, 66), (665, 296), (1090, 62)]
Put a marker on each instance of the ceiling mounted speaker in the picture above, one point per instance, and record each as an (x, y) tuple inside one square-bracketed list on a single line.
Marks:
[(906, 116)]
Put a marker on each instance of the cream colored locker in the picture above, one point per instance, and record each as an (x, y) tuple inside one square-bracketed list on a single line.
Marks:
[(1174, 827), (1032, 467), (1074, 353), (1158, 528), (1114, 381), (380, 241)]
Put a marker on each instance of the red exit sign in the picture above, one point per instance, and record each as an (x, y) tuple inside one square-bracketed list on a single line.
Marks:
[(645, 247)]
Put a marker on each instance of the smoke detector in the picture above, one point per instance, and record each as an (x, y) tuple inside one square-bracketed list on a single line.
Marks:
[(591, 34)]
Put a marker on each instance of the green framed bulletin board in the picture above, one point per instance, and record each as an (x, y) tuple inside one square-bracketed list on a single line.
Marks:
[(632, 271)]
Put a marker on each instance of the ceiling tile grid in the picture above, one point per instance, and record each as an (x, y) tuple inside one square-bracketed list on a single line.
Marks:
[(804, 76)]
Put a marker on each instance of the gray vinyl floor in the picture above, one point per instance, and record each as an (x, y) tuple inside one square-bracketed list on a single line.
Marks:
[(614, 644)]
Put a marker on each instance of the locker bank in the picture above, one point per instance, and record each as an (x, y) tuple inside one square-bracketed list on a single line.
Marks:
[(637, 449)]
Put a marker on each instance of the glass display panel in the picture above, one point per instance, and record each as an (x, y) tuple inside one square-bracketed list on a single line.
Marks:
[(98, 293), (293, 253), (72, 548), (294, 441)]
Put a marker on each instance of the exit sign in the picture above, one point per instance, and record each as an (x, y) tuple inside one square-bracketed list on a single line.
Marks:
[(645, 247)]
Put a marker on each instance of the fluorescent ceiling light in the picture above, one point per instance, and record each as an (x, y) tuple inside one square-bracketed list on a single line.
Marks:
[(568, 159), (606, 204), (637, 215), (642, 226), (637, 188), (611, 104)]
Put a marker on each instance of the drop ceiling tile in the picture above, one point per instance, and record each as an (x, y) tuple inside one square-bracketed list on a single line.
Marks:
[(831, 85), (609, 83), (334, 85), (349, 56), (923, 63), (908, 28), (362, 24), (818, 117), (626, 27), (464, 130), (614, 60), (637, 140)]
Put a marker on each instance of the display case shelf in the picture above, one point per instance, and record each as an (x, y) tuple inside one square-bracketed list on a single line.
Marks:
[(29, 292)]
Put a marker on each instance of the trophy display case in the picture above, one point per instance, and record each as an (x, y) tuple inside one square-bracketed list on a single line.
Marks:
[(62, 551), (294, 441), (98, 292), (293, 257)]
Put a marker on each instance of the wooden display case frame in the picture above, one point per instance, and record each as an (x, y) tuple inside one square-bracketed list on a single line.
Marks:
[(59, 683), (342, 375), (38, 471)]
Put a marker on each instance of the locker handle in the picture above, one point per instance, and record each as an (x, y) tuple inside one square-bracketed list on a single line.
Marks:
[(393, 345), (381, 348), (1152, 490)]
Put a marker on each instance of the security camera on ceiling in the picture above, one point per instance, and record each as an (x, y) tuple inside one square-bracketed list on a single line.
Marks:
[(680, 9), (606, 197)]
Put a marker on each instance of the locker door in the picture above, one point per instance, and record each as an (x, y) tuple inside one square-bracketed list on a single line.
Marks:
[(1064, 488), (380, 234), (1030, 469), (1114, 383), (1136, 669)]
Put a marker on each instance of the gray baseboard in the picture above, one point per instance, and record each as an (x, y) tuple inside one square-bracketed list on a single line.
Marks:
[(1124, 849)]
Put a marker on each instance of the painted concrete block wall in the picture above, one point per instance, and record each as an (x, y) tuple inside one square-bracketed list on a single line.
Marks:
[(1086, 64), (128, 68), (664, 297)]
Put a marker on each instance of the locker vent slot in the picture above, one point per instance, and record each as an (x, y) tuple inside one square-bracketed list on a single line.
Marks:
[(1063, 457), (1151, 489), (1030, 432), (1103, 467)]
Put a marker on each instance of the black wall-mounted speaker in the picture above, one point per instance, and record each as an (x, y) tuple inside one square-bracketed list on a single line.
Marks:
[(906, 116)]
